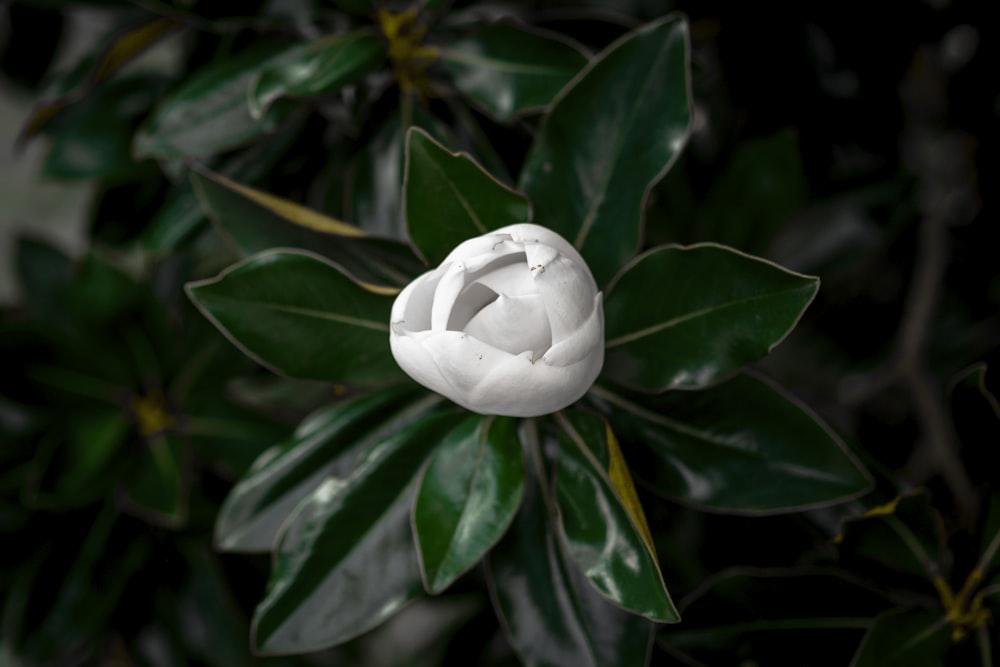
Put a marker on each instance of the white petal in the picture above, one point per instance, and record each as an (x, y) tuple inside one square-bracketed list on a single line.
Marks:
[(566, 286), (450, 286), (412, 308), (512, 279), (515, 324), (586, 341)]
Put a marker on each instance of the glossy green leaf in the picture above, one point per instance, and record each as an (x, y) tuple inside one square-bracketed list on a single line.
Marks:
[(550, 612), (346, 561), (156, 486), (209, 113), (511, 69), (904, 535), (319, 67), (258, 221), (743, 446), (717, 311), (467, 497), (449, 198), (603, 538), (327, 443), (302, 316), (762, 186), (611, 134), (905, 638)]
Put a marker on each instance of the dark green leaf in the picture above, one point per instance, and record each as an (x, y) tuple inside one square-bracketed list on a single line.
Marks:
[(718, 310), (319, 67), (763, 185), (45, 275), (467, 497), (156, 486), (551, 613), (903, 535), (603, 538), (326, 443), (346, 561), (742, 446), (910, 638), (258, 221), (302, 316), (610, 136), (209, 113), (511, 69), (449, 198)]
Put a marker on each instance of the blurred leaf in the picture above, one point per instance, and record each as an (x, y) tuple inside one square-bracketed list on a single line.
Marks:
[(259, 221), (552, 615), (209, 113), (450, 198), (156, 487), (989, 560), (602, 535), (753, 612), (326, 444), (722, 310), (741, 446), (611, 134), (122, 49), (467, 497), (45, 274), (319, 67), (511, 69), (100, 291), (905, 638), (302, 316), (762, 186), (904, 535), (346, 561)]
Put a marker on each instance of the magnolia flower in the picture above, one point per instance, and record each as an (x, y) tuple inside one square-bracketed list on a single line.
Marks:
[(511, 323)]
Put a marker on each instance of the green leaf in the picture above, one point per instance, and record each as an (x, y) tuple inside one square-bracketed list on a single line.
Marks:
[(762, 186), (259, 221), (450, 198), (550, 612), (511, 69), (325, 444), (604, 538), (743, 446), (319, 67), (611, 134), (45, 274), (905, 638), (346, 561), (467, 497), (156, 487), (719, 310), (753, 611), (904, 535), (209, 113), (302, 316)]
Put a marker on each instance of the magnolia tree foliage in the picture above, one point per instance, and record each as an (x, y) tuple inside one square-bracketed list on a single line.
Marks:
[(462, 315)]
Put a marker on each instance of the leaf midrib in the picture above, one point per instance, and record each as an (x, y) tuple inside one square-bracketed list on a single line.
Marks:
[(305, 312), (504, 65), (656, 328)]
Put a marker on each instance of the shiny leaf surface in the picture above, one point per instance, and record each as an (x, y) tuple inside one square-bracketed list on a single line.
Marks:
[(604, 538), (302, 316), (611, 134), (209, 113), (319, 67), (449, 198), (258, 221), (719, 309), (511, 69), (346, 561), (467, 497), (550, 612), (327, 443), (742, 446), (907, 638)]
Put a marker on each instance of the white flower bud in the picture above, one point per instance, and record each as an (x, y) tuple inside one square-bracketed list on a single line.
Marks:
[(511, 323)]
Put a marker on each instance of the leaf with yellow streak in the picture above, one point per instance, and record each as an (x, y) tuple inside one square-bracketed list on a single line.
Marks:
[(622, 481)]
